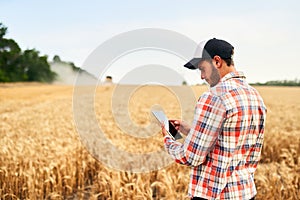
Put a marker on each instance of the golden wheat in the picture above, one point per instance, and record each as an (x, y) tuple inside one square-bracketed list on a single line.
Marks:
[(41, 156)]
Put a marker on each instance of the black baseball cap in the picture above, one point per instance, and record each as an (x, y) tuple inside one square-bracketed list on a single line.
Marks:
[(208, 49)]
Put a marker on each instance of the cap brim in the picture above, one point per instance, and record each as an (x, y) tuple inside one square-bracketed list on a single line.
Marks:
[(193, 64)]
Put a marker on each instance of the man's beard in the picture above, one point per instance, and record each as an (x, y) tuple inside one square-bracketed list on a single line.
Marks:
[(214, 77)]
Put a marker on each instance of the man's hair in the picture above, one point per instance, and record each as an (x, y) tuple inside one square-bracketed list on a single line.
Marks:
[(229, 61)]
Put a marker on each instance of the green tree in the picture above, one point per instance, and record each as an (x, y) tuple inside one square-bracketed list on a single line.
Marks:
[(56, 58), (3, 30), (10, 68), (16, 65), (36, 67)]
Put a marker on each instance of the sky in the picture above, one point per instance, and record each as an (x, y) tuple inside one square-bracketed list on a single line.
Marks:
[(265, 34)]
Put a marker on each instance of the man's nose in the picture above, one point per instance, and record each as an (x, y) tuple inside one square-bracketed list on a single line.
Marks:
[(202, 76)]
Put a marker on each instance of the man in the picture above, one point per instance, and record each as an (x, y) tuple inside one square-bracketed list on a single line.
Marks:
[(224, 142)]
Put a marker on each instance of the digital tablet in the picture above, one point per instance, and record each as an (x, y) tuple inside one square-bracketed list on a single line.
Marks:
[(162, 118)]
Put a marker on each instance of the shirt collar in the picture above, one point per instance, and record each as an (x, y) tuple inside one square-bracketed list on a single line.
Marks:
[(235, 74)]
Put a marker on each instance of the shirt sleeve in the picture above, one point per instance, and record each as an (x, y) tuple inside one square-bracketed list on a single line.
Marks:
[(207, 124)]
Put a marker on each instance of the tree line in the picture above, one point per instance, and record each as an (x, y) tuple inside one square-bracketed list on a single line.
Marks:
[(295, 82), (17, 65)]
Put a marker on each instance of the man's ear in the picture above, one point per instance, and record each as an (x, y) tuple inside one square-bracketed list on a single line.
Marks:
[(218, 61)]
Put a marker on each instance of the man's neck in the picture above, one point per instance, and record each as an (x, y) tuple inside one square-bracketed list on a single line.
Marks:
[(226, 70)]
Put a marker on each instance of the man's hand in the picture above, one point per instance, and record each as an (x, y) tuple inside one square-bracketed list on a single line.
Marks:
[(181, 126)]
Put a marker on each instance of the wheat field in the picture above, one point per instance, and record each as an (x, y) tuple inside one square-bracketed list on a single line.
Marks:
[(42, 156)]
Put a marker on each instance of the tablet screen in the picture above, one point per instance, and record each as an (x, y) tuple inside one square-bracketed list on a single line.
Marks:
[(162, 118)]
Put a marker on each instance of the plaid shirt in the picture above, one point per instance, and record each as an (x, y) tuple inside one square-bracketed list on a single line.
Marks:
[(224, 144)]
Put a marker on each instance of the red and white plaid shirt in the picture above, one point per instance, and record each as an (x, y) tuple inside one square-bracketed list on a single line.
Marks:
[(224, 144)]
